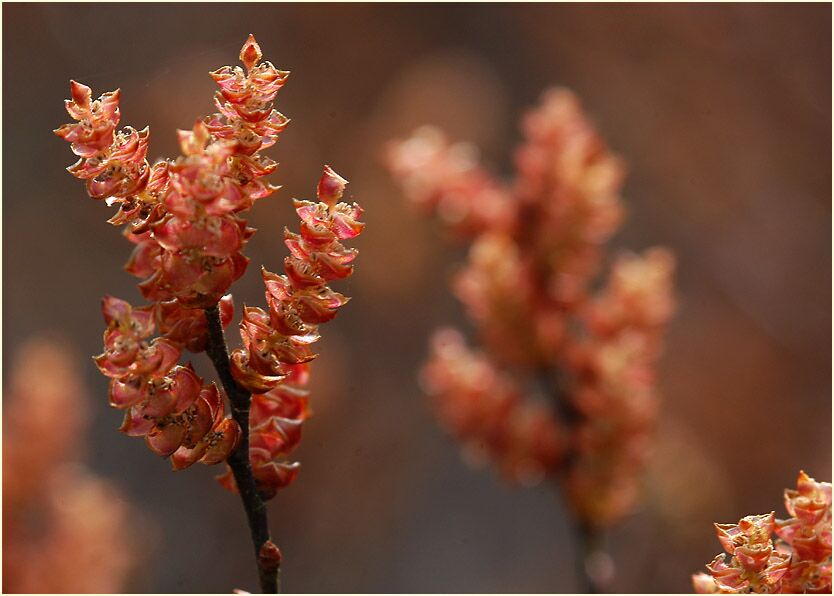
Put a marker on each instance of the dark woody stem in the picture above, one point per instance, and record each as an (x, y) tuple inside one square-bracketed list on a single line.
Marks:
[(589, 547), (588, 539), (238, 461)]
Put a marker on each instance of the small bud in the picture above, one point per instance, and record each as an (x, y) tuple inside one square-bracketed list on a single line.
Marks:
[(250, 53), (81, 94), (269, 558), (331, 187), (227, 310)]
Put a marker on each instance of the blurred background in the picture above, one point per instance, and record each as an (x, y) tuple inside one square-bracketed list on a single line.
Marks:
[(723, 114)]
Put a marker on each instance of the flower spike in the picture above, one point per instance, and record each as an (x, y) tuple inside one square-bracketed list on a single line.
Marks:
[(272, 363), (797, 561), (535, 251), (185, 218)]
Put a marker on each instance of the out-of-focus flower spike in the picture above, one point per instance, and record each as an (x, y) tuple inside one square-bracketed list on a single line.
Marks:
[(445, 179)]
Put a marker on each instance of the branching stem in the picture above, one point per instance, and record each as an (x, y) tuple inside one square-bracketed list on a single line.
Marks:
[(240, 399)]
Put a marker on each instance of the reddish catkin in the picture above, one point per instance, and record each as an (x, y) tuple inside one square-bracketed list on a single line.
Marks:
[(186, 220), (797, 561), (485, 409), (184, 217), (536, 246), (272, 363), (63, 527)]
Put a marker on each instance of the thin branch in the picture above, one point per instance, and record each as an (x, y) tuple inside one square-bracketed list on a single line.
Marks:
[(589, 542), (589, 551), (554, 385), (240, 400)]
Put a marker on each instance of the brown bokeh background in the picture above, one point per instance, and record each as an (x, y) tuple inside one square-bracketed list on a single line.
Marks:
[(723, 113)]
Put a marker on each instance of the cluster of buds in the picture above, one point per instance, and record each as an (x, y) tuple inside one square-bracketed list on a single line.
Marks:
[(63, 526), (446, 180), (277, 345), (275, 421), (798, 561), (168, 404), (184, 217), (536, 248), (485, 409), (614, 392)]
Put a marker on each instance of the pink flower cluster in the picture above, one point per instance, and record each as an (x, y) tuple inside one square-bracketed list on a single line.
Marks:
[(536, 248), (797, 562), (63, 526), (168, 404), (485, 409), (184, 217), (612, 367), (277, 345)]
